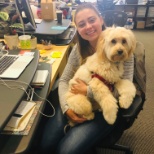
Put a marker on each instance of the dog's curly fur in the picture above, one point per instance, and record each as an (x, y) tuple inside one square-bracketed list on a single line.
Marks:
[(115, 45)]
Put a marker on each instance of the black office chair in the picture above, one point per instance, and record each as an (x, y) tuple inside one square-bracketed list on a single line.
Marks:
[(112, 17), (129, 115)]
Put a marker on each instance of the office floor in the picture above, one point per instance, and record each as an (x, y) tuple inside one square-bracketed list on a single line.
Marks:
[(140, 137)]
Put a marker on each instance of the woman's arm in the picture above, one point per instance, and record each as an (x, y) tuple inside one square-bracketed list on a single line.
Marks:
[(129, 69), (73, 63)]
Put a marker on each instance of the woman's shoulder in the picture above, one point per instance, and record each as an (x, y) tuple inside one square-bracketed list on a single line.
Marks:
[(74, 49), (75, 55)]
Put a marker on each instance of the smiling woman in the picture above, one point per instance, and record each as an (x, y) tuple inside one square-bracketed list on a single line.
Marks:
[(89, 24), (82, 137)]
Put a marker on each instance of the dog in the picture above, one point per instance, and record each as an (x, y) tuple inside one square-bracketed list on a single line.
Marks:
[(102, 72)]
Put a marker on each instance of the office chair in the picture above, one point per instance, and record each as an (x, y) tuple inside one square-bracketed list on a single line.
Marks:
[(104, 5), (112, 17), (128, 116)]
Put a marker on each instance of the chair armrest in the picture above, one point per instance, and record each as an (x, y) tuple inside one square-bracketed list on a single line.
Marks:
[(134, 109)]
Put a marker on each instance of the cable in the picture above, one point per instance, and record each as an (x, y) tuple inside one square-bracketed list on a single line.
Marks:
[(2, 52), (28, 95), (2, 49)]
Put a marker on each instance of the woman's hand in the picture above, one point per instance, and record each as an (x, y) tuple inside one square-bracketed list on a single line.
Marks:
[(79, 88), (74, 117)]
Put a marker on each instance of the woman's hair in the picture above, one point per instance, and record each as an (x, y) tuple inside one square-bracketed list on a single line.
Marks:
[(84, 47)]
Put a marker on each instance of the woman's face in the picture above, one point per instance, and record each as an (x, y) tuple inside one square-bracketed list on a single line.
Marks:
[(89, 25)]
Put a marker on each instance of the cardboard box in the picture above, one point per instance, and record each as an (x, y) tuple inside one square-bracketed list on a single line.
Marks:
[(140, 24), (48, 10)]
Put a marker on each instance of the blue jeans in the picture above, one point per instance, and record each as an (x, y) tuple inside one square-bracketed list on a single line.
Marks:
[(78, 139)]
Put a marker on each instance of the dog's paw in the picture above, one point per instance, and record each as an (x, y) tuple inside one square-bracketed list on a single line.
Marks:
[(72, 81), (80, 104), (89, 116), (125, 101), (110, 115), (110, 109)]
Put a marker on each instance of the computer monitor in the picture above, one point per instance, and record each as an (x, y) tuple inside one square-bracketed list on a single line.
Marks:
[(23, 7)]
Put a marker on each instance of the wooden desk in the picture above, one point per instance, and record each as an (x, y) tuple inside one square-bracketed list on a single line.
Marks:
[(59, 64)]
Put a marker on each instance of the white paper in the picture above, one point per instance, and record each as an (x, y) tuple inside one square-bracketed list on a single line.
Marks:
[(40, 77), (23, 109)]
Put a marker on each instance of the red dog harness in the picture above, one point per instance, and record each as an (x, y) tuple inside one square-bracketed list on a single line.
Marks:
[(108, 84)]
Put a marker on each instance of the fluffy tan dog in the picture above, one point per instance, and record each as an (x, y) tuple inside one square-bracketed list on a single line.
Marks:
[(102, 72)]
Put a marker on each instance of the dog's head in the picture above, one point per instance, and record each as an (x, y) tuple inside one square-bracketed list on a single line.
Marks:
[(116, 44)]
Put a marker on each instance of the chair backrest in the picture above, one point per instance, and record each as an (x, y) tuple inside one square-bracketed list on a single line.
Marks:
[(139, 69), (139, 80), (112, 17)]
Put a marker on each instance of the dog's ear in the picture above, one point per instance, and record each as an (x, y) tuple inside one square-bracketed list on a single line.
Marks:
[(100, 46), (114, 26), (132, 42), (108, 29)]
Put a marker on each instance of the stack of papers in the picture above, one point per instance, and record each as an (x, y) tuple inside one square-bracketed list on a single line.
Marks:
[(40, 78), (20, 119)]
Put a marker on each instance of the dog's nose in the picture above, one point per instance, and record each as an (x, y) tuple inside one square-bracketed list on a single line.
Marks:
[(120, 52)]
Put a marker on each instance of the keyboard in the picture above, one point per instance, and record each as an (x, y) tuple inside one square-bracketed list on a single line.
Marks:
[(6, 61), (11, 66)]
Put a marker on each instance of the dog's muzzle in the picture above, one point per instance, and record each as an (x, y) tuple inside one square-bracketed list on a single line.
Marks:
[(120, 52)]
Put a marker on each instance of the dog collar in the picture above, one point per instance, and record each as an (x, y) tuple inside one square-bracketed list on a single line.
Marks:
[(108, 84)]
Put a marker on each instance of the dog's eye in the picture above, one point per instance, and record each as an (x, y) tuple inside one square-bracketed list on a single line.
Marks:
[(113, 41), (123, 41)]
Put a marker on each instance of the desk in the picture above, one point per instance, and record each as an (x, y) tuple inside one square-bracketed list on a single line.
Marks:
[(20, 144), (59, 64)]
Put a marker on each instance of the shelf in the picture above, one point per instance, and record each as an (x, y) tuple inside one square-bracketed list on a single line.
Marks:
[(125, 5), (142, 14)]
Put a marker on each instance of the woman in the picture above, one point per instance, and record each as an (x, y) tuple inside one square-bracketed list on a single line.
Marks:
[(86, 133)]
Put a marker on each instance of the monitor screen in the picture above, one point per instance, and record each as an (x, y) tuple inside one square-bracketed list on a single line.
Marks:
[(28, 21)]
